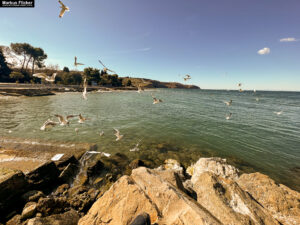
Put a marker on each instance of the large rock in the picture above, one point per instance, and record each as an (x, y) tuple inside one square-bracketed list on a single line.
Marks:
[(280, 200), (12, 185), (44, 176), (228, 202), (146, 191), (217, 166), (68, 218)]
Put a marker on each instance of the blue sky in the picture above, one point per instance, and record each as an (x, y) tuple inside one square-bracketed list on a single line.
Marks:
[(215, 41)]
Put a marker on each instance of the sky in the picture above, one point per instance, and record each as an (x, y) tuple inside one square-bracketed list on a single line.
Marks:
[(218, 42)]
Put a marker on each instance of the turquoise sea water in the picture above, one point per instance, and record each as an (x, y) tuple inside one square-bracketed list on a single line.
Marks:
[(190, 122)]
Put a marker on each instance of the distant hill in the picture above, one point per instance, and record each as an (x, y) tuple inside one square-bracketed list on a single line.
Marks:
[(148, 83)]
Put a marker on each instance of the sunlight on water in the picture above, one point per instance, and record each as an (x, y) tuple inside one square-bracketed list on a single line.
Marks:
[(188, 121)]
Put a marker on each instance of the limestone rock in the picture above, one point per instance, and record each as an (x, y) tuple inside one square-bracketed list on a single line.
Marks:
[(12, 185), (217, 166), (228, 202), (29, 210), (146, 191), (280, 200)]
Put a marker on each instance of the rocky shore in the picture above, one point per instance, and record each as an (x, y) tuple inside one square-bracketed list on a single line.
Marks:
[(85, 188)]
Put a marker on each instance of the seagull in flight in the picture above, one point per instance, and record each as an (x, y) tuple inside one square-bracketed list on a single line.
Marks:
[(63, 121), (136, 148), (228, 103), (105, 69), (239, 84), (45, 76), (156, 100), (84, 89), (187, 77), (118, 135), (102, 153), (101, 133), (48, 124), (241, 90), (63, 9), (278, 113), (77, 63), (228, 116)]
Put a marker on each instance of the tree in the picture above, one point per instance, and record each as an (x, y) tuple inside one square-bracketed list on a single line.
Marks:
[(38, 57), (4, 69), (22, 49), (92, 74), (66, 69), (17, 76)]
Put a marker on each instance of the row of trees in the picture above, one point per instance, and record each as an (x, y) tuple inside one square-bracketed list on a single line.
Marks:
[(24, 58)]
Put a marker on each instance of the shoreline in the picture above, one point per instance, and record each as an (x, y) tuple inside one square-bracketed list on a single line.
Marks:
[(98, 177), (16, 90)]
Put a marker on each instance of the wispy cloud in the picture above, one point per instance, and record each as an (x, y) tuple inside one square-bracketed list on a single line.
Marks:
[(264, 51), (289, 39)]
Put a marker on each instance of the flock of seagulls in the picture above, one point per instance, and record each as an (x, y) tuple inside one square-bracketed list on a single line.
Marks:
[(229, 103)]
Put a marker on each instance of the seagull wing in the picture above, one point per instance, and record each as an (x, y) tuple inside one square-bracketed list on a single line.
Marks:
[(60, 118), (40, 75), (62, 4), (71, 116), (117, 132), (111, 70), (101, 63)]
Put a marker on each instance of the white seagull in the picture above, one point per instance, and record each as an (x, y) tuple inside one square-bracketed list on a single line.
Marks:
[(45, 76), (118, 135), (239, 84), (48, 124), (228, 116), (156, 100), (105, 69), (63, 9), (84, 89), (228, 103), (136, 148), (76, 130), (102, 153), (278, 113), (77, 63), (101, 133), (63, 121)]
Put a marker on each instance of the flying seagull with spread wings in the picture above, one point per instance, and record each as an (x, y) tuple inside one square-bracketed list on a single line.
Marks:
[(77, 63), (118, 135), (105, 69), (63, 121), (48, 124), (45, 76), (156, 100), (63, 9)]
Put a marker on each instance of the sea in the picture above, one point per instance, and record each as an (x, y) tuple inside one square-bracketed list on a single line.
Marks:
[(262, 134)]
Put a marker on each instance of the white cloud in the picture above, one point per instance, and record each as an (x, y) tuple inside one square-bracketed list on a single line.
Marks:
[(264, 51), (143, 49), (289, 39)]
